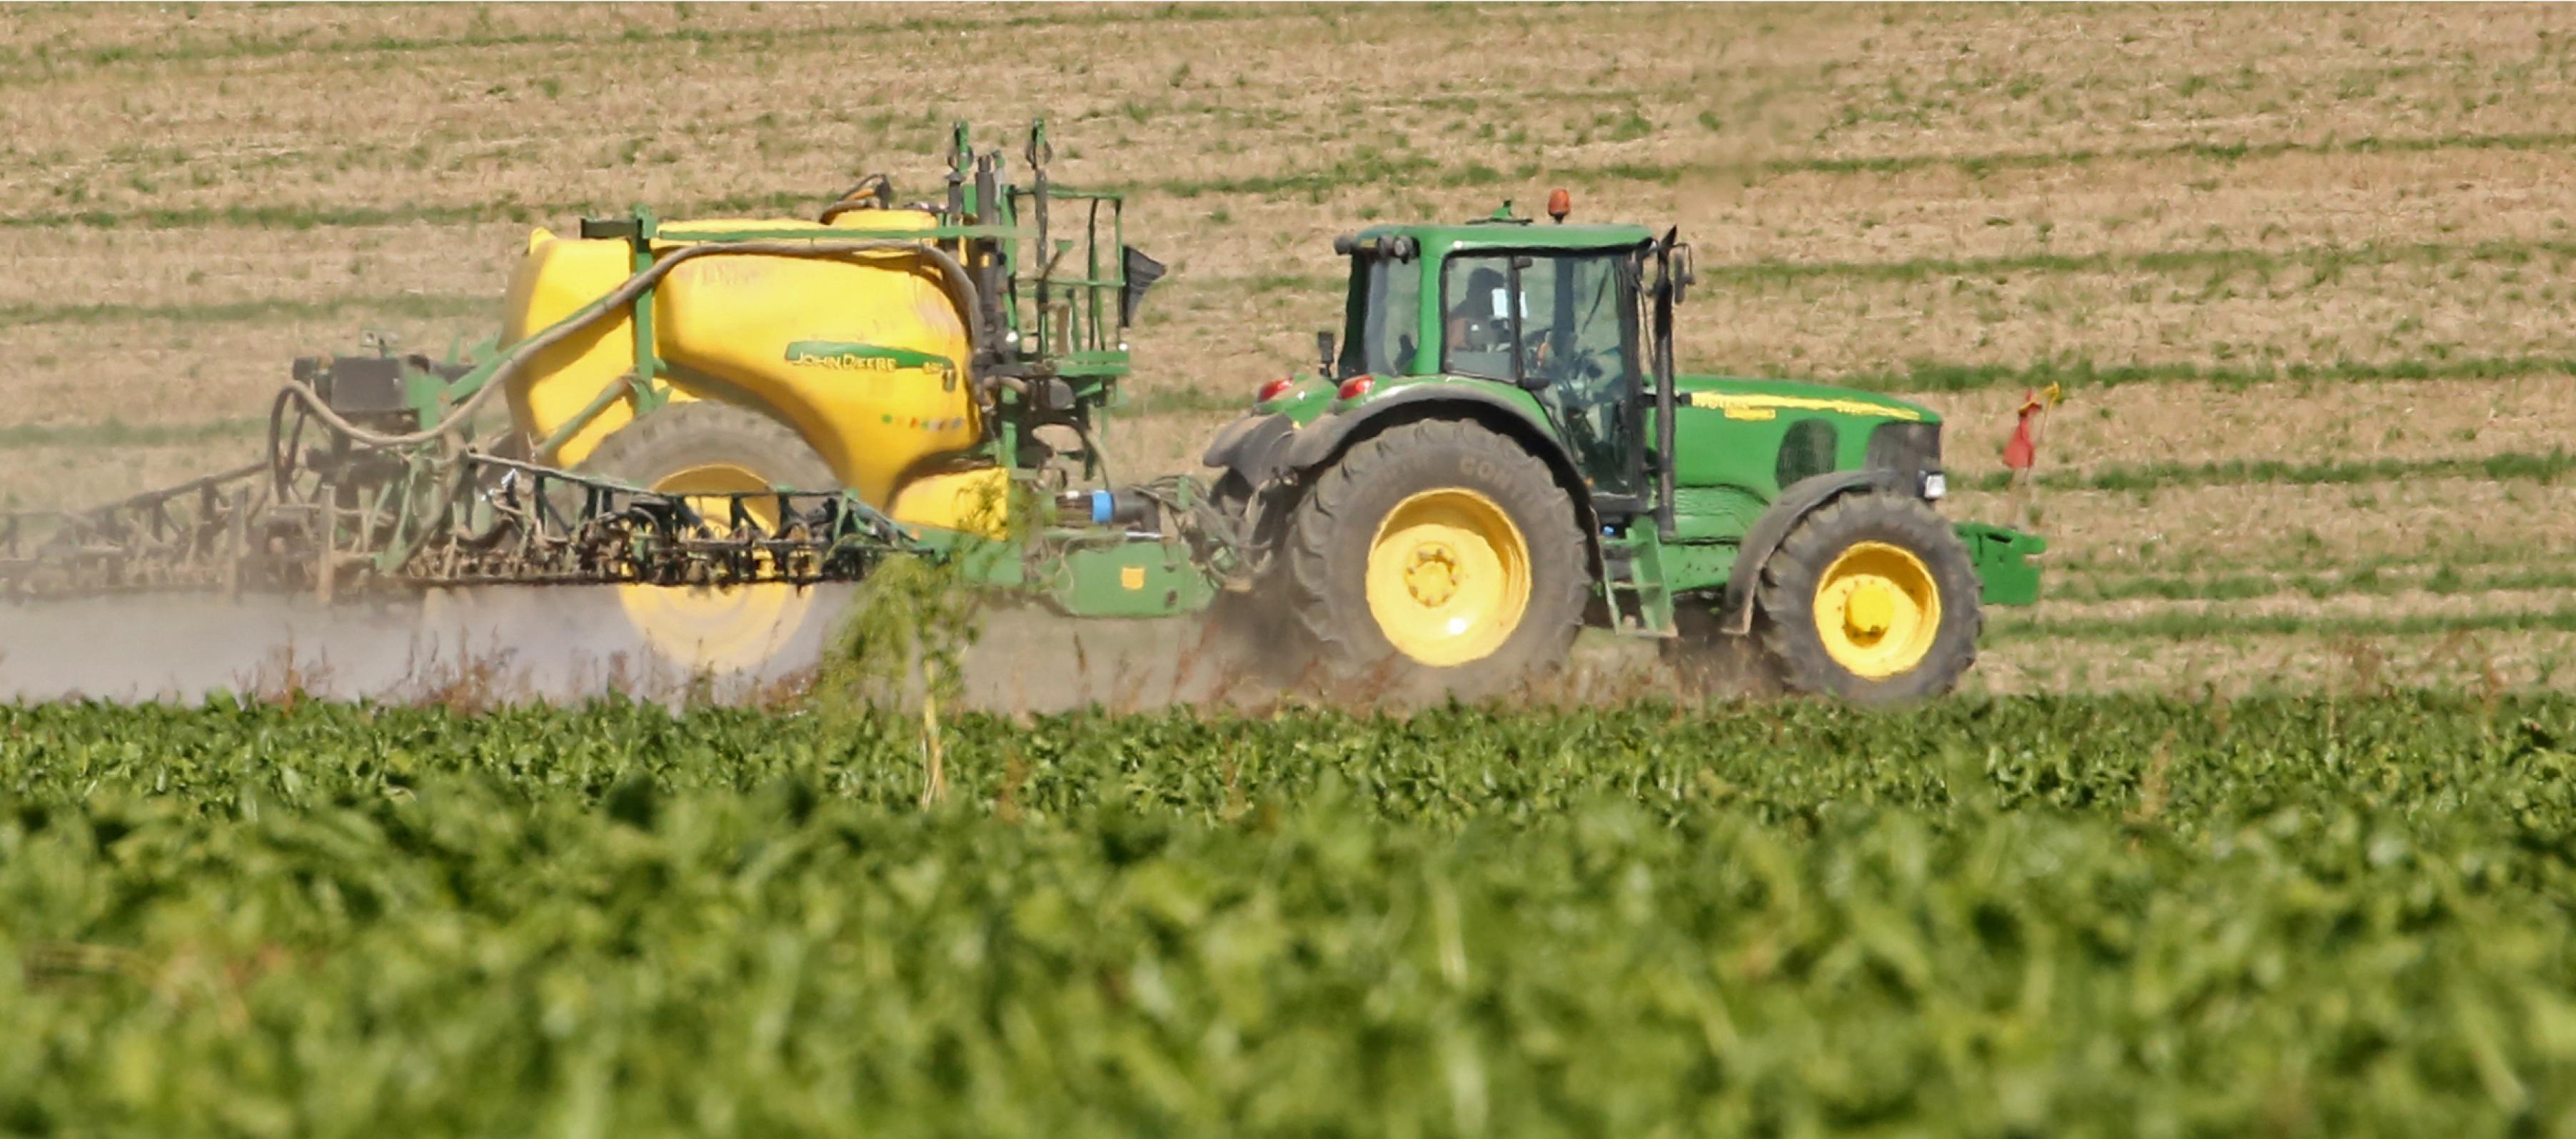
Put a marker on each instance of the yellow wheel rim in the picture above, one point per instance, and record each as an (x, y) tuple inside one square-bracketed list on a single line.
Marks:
[(1878, 610), (704, 629), (1448, 577)]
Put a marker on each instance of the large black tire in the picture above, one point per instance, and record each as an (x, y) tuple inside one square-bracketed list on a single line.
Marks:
[(1337, 526), (1790, 592), (739, 630), (696, 432)]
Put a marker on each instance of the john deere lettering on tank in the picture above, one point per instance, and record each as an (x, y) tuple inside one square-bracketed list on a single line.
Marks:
[(854, 357), (1744, 406)]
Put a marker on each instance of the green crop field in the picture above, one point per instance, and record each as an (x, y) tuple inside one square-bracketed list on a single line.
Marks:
[(2037, 916)]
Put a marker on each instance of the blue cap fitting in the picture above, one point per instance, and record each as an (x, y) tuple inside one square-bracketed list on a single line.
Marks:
[(1101, 506)]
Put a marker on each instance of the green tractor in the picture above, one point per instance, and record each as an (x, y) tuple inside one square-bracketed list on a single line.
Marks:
[(1499, 452)]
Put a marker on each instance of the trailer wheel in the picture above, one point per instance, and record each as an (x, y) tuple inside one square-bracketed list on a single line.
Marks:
[(1872, 599), (1436, 554), (697, 446)]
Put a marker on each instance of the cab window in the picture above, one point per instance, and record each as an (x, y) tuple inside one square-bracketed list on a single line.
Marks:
[(1563, 325), (1378, 329)]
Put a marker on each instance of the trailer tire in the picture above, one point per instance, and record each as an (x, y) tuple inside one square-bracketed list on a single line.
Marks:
[(1872, 599), (704, 446), (695, 432), (1438, 556)]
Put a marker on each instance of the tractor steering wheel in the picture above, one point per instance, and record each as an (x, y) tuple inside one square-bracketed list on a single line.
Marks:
[(1580, 371)]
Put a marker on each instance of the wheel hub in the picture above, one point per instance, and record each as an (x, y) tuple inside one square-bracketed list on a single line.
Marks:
[(1877, 609), (1448, 577), (1871, 609), (1434, 574)]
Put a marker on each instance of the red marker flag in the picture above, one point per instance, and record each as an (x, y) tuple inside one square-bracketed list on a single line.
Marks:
[(2022, 450)]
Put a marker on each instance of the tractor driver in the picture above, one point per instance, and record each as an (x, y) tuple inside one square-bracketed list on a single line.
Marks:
[(1480, 328)]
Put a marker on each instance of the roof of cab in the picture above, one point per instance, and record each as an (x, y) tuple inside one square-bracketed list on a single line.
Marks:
[(1516, 235)]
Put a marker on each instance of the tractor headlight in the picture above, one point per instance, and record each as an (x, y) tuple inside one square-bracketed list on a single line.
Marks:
[(1934, 486)]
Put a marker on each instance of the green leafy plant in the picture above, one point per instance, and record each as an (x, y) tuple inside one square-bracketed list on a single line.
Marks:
[(2111, 915)]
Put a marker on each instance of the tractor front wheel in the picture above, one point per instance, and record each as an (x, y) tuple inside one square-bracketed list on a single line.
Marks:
[(1872, 598), (1438, 554)]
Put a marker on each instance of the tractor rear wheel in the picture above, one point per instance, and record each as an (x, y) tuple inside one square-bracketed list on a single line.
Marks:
[(1438, 554), (1872, 599), (712, 448)]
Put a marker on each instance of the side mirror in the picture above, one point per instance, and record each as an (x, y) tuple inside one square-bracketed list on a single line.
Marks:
[(1685, 274), (1324, 351)]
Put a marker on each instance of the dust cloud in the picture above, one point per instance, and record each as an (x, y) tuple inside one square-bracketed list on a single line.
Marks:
[(497, 645)]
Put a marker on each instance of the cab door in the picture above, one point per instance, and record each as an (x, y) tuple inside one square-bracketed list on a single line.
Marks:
[(1563, 326)]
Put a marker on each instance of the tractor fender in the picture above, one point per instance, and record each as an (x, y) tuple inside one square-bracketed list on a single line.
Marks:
[(1324, 438), (1253, 446), (1796, 501)]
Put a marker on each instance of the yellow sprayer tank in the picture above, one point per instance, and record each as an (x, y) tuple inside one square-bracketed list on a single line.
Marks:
[(864, 354)]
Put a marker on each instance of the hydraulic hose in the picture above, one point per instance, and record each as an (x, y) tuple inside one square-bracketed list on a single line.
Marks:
[(517, 356)]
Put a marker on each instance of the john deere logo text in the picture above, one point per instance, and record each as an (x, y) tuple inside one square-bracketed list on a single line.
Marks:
[(1752, 406), (841, 355)]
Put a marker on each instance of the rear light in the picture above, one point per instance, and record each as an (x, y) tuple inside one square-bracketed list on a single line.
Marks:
[(1274, 389), (1356, 386)]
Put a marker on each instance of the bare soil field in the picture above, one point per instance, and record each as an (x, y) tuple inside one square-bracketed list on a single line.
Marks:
[(2303, 271)]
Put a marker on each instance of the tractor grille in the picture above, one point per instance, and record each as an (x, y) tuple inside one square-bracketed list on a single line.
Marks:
[(1905, 447)]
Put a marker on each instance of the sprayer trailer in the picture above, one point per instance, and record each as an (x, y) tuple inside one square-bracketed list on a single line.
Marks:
[(711, 416)]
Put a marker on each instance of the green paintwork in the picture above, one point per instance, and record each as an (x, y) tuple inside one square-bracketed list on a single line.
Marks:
[(2002, 557), (1715, 513), (979, 560), (1640, 595), (1387, 387), (1740, 448), (1438, 240), (1699, 568), (1082, 571), (1306, 398), (1130, 579)]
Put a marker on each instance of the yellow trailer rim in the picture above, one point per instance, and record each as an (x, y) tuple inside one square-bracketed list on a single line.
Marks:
[(716, 630), (1448, 577), (1878, 610)]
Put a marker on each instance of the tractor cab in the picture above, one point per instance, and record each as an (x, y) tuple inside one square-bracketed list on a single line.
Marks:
[(1556, 314)]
